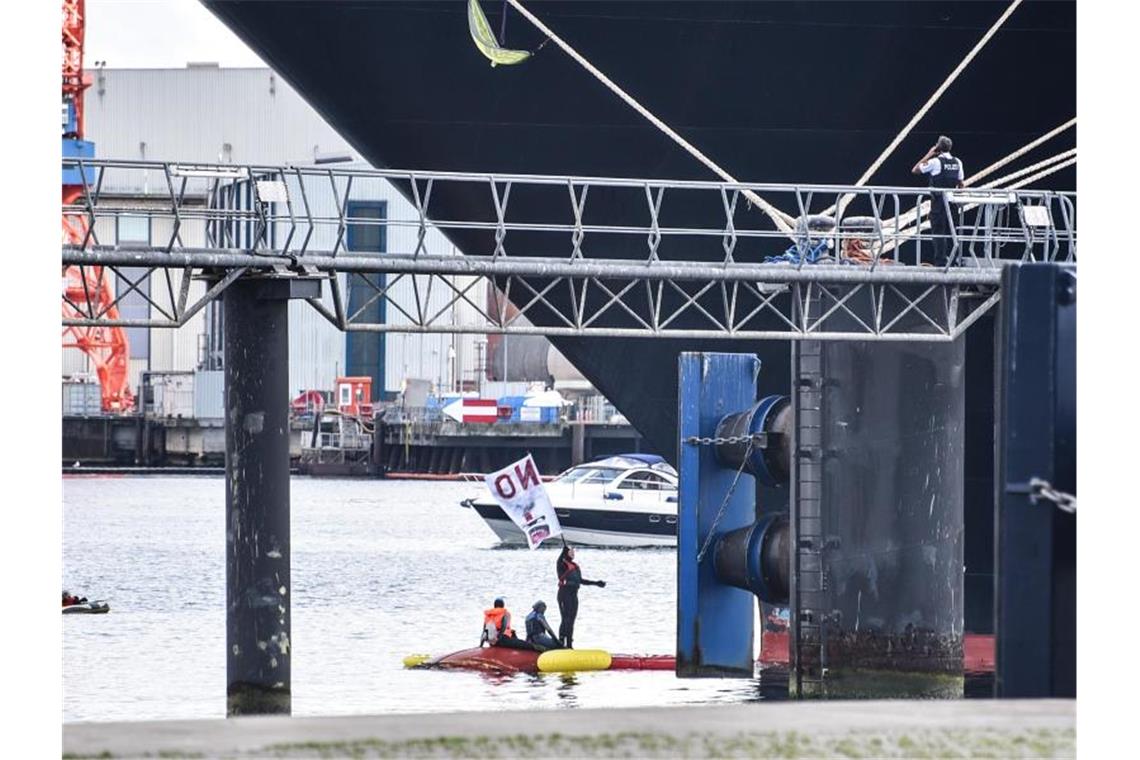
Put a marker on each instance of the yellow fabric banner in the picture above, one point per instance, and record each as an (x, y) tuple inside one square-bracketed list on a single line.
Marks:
[(485, 39)]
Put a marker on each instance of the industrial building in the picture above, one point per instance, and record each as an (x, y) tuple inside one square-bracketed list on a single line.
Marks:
[(250, 117), (208, 119)]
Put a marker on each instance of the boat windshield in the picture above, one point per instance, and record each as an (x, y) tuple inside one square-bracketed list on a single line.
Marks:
[(590, 475)]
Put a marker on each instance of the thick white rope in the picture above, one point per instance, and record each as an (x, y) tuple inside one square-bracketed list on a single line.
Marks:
[(782, 220), (1020, 152), (1041, 174), (1032, 167), (928, 105)]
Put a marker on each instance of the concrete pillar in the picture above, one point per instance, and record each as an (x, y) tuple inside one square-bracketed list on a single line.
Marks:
[(258, 645), (379, 453), (577, 443)]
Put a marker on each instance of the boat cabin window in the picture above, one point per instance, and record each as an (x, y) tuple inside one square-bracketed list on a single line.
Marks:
[(590, 475), (645, 481)]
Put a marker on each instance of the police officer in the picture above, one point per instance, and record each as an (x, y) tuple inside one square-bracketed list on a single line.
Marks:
[(945, 172)]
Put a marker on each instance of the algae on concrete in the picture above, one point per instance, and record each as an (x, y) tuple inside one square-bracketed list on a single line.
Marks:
[(1036, 743)]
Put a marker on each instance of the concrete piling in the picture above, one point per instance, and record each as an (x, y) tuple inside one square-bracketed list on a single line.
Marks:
[(258, 645)]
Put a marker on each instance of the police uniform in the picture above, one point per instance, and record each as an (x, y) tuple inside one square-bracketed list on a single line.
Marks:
[(945, 172)]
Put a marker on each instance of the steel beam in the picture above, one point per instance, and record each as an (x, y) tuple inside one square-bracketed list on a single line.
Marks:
[(1035, 540), (546, 267)]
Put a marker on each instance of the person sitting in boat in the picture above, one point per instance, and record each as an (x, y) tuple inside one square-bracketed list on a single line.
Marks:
[(497, 630), (539, 634), (69, 600)]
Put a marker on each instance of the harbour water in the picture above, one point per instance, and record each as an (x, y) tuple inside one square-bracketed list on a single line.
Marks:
[(381, 569)]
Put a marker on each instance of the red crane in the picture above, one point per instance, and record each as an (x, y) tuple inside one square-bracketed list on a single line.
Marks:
[(87, 291)]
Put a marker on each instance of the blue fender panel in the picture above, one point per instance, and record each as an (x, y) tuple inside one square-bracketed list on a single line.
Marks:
[(714, 620)]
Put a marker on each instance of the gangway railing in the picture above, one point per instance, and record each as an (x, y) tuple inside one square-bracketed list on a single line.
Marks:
[(575, 255)]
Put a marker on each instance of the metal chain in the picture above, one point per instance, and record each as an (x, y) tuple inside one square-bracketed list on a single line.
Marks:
[(1042, 490), (755, 439), (723, 504)]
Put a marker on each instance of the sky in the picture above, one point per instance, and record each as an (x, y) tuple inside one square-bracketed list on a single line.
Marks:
[(159, 34)]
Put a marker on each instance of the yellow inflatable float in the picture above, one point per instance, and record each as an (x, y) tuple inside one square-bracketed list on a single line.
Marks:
[(573, 660)]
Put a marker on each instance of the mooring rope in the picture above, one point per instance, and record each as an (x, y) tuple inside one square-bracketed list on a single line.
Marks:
[(997, 183), (928, 105), (1041, 174), (1020, 152), (782, 220)]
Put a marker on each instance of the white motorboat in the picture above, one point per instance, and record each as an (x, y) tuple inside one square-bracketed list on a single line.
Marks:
[(625, 500)]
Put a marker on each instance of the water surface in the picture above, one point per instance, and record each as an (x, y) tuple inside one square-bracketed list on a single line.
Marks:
[(381, 569)]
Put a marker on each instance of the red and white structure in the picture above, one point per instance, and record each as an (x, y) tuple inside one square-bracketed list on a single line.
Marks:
[(473, 410)]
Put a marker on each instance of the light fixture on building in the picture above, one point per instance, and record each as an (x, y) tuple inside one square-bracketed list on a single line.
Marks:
[(332, 158)]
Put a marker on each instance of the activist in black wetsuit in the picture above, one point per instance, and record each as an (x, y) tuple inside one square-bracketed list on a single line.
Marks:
[(569, 579), (539, 634)]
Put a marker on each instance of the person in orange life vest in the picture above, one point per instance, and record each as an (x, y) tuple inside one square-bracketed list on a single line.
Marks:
[(496, 623), (569, 579), (497, 629)]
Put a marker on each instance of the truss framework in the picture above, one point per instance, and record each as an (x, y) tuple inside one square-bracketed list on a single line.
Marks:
[(704, 266)]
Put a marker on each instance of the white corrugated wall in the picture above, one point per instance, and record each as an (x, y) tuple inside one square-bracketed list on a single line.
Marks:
[(251, 116), (406, 355), (205, 115), (170, 349)]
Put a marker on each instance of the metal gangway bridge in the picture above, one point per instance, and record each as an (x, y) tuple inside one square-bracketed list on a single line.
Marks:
[(687, 259)]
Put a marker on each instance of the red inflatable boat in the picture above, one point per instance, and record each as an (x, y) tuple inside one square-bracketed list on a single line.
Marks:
[(506, 660), (979, 657)]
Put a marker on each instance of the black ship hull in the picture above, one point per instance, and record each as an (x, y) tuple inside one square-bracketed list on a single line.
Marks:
[(806, 92), (773, 91)]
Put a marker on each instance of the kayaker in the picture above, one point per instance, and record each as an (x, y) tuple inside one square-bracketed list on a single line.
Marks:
[(569, 579), (539, 634), (69, 600)]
